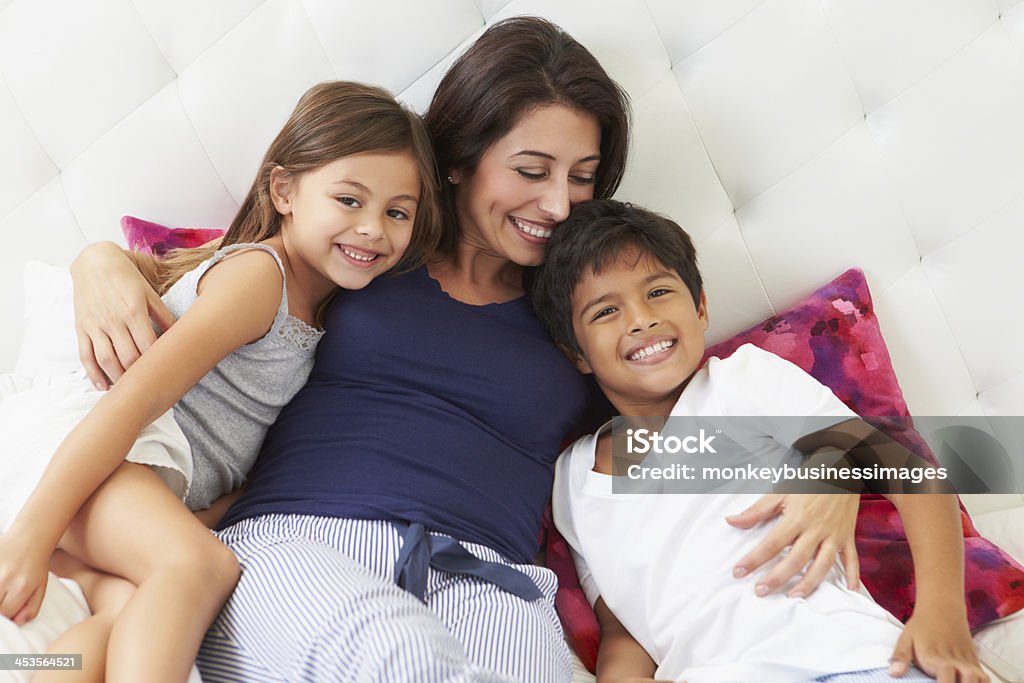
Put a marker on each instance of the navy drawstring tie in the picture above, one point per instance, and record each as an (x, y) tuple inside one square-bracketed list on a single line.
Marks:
[(421, 550)]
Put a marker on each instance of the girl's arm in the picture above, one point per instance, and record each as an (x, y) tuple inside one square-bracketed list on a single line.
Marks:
[(114, 302), (620, 659), (239, 300)]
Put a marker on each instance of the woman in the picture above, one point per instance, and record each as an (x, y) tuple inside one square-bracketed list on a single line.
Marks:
[(420, 451)]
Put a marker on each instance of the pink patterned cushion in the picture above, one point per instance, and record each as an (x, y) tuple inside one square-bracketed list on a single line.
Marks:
[(156, 239), (574, 610), (834, 336)]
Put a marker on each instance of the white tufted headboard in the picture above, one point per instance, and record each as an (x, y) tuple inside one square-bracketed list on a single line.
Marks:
[(792, 138)]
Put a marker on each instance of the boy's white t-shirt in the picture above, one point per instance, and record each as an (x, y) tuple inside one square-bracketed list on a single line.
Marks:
[(663, 563)]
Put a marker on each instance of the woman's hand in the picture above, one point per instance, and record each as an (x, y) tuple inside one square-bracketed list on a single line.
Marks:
[(940, 645), (24, 568), (113, 306), (817, 526)]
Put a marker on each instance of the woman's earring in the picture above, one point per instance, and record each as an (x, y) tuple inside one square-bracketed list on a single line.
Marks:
[(451, 180)]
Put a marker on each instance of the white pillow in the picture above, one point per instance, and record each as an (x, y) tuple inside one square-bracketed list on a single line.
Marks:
[(49, 346), (63, 607)]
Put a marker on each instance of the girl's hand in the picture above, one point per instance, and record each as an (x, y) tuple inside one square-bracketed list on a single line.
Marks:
[(817, 526), (24, 567), (113, 306), (941, 646)]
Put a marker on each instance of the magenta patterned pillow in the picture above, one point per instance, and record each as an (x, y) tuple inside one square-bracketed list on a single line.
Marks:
[(153, 238), (834, 336)]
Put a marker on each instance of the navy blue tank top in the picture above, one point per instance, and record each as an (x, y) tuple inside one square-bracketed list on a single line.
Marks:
[(424, 409)]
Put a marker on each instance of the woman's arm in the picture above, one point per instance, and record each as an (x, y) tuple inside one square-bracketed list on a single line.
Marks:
[(239, 301), (115, 299), (817, 526), (814, 526), (620, 659)]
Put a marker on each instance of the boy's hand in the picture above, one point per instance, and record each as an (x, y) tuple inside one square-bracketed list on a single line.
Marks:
[(941, 645), (817, 526), (24, 567)]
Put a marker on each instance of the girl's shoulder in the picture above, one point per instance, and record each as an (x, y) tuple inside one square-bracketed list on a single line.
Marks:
[(238, 265), (247, 276), (288, 330), (249, 258)]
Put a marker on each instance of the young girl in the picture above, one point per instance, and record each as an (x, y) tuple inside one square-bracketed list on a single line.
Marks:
[(345, 188)]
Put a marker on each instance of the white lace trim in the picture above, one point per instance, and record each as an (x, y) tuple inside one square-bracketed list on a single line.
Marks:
[(299, 333)]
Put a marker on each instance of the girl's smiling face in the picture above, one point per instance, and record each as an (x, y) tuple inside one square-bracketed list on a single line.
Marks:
[(351, 219), (526, 183)]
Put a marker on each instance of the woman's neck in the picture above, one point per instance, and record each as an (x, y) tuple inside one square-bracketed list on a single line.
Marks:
[(474, 276)]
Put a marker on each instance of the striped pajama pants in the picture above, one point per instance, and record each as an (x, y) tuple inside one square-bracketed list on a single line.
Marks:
[(913, 675), (317, 602)]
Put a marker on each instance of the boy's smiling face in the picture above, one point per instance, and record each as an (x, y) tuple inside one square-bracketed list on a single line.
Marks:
[(638, 332)]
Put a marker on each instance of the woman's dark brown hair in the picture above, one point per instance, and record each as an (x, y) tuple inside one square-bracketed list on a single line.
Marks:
[(517, 65)]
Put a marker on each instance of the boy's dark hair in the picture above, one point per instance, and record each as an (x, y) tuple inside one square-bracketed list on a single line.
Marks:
[(594, 234)]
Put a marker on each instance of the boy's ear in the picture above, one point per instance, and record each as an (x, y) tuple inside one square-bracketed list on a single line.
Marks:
[(702, 310), (576, 359), (282, 187)]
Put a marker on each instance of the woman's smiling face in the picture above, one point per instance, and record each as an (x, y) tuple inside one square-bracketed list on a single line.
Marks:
[(527, 181)]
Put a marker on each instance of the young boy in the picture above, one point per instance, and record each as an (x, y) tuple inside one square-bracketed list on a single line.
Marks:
[(621, 294)]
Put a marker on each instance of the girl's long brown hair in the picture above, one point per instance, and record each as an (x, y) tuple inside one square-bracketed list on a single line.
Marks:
[(332, 120)]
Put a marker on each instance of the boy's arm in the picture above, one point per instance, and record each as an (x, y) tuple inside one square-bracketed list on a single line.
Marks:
[(620, 659), (937, 635)]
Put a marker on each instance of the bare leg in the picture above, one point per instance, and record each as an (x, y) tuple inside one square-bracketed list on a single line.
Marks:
[(106, 595), (133, 526)]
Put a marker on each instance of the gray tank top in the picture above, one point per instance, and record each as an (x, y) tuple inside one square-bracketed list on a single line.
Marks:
[(226, 415)]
